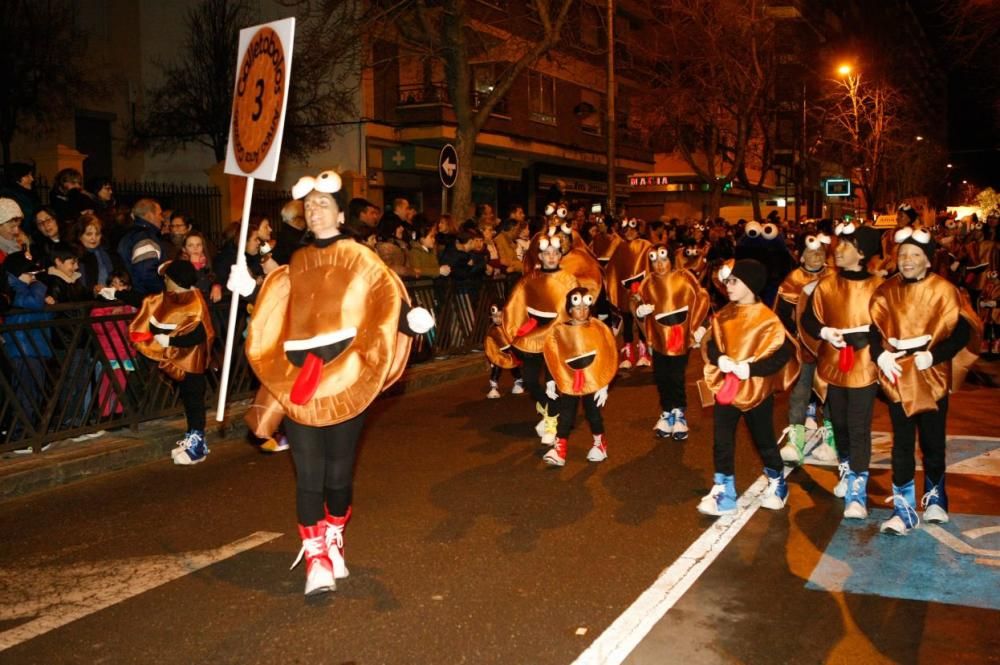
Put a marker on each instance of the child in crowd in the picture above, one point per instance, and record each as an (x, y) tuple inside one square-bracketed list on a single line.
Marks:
[(174, 328), (112, 335), (581, 357), (748, 357)]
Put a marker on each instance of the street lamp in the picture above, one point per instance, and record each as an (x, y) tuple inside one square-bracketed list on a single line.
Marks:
[(920, 138), (844, 70)]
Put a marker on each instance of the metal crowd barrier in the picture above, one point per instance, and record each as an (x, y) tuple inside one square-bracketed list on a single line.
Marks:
[(72, 371)]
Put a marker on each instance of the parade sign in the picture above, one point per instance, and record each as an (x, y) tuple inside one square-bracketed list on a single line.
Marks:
[(260, 97)]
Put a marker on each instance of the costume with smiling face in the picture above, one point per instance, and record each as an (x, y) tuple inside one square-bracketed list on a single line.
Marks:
[(578, 259), (330, 331), (623, 273), (500, 353), (535, 305), (673, 308), (924, 328), (581, 358)]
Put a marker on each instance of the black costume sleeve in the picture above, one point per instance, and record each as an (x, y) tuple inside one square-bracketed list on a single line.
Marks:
[(193, 338), (948, 348), (774, 362), (786, 312), (713, 351), (810, 323)]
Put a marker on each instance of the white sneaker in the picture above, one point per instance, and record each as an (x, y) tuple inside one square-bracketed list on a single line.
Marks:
[(840, 490), (811, 423), (540, 427), (625, 364), (518, 388), (493, 394), (935, 514), (855, 511), (894, 525), (824, 452), (557, 455), (599, 451), (664, 426)]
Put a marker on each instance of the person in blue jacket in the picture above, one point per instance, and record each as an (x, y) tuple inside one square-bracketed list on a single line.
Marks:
[(143, 249)]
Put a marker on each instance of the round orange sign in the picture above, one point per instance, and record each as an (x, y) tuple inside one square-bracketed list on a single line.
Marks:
[(258, 102)]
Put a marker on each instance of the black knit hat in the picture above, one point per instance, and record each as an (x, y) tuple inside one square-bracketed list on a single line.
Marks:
[(918, 238), (182, 273), (867, 239), (752, 273), (908, 210), (19, 263)]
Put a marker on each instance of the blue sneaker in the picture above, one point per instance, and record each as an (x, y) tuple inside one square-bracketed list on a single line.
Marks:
[(856, 499), (193, 450), (811, 416), (776, 494), (680, 425), (904, 516), (664, 427), (935, 501), (721, 499)]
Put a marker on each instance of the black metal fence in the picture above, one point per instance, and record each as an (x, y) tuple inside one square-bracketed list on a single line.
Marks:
[(70, 371)]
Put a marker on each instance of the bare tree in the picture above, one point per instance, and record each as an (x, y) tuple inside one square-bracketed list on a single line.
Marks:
[(42, 74), (193, 104), (712, 72)]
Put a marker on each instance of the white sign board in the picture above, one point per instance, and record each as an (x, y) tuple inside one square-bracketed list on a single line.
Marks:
[(260, 96)]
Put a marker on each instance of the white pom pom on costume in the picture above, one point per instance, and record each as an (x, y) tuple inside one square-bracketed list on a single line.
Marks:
[(419, 320)]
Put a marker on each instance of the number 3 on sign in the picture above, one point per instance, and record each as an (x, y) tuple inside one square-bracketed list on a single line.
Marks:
[(257, 100)]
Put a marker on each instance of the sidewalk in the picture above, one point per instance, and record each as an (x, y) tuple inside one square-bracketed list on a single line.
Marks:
[(68, 461)]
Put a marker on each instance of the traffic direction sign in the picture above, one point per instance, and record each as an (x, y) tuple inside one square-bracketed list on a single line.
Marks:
[(448, 165)]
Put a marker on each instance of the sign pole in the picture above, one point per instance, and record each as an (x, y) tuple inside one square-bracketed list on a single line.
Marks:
[(234, 304)]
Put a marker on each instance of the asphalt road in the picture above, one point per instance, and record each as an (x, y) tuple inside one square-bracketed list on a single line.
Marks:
[(464, 548)]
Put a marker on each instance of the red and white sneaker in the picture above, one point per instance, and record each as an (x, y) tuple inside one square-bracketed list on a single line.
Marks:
[(627, 357), (599, 451), (557, 454), (319, 568), (642, 351), (335, 543)]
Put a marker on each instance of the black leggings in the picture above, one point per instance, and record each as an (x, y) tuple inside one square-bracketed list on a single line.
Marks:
[(533, 373), (931, 425), (324, 466), (496, 370), (759, 421), (567, 414), (668, 372), (627, 320), (850, 411), (192, 389)]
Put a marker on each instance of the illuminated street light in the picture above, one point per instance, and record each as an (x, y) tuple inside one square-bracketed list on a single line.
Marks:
[(965, 182), (950, 165), (920, 138), (844, 70)]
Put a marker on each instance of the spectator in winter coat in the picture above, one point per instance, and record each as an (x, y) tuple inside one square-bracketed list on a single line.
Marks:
[(96, 262), (68, 198), (11, 217), (20, 187), (142, 249)]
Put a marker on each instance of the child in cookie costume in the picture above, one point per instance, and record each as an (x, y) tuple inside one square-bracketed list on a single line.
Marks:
[(836, 328), (922, 322), (582, 359), (498, 352), (674, 308), (174, 328), (330, 331), (748, 357)]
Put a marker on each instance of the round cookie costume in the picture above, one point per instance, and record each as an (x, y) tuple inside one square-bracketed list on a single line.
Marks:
[(922, 322), (330, 331), (500, 355), (623, 273), (673, 308)]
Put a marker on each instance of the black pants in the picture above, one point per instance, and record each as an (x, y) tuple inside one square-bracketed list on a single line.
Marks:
[(759, 421), (567, 414), (931, 425), (668, 373), (533, 372), (495, 372), (324, 466), (850, 411), (627, 321), (192, 389)]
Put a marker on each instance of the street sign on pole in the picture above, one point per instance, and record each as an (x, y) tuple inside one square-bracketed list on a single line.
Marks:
[(448, 165)]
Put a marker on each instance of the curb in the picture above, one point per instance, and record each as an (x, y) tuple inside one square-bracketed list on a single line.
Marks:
[(67, 462)]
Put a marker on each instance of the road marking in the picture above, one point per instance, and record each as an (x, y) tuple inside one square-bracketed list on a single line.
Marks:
[(53, 596), (615, 644)]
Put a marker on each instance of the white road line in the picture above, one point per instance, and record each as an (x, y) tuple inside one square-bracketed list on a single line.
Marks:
[(53, 596), (628, 630)]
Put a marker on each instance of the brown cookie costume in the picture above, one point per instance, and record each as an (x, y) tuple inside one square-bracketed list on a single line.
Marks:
[(176, 314), (581, 359)]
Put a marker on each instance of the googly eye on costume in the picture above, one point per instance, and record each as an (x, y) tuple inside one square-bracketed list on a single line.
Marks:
[(545, 243), (770, 231), (845, 229), (691, 251), (633, 223), (653, 256), (550, 210), (813, 243), (950, 224), (663, 253), (494, 309), (588, 300), (754, 229), (992, 274), (724, 272), (327, 182), (561, 212), (920, 235), (823, 238), (567, 229), (576, 299)]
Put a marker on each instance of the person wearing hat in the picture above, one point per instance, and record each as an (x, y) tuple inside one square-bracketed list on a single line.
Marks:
[(174, 328), (11, 235), (920, 321), (906, 217), (835, 327), (812, 250), (748, 357), (20, 187)]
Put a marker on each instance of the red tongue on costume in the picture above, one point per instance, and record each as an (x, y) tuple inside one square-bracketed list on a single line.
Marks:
[(526, 328), (730, 385), (578, 380), (846, 359), (634, 287), (307, 381), (675, 340), (140, 336)]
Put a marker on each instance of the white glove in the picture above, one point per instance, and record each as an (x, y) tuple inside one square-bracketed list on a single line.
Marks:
[(550, 390), (923, 360), (698, 334), (742, 370), (643, 310), (419, 320), (833, 336), (162, 340), (954, 266), (444, 270), (108, 293), (241, 281), (727, 364), (886, 362), (601, 397)]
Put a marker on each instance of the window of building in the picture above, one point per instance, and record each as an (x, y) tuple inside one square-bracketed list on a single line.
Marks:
[(542, 97), (591, 111)]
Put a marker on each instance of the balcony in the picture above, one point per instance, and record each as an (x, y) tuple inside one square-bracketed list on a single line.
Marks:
[(436, 94)]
